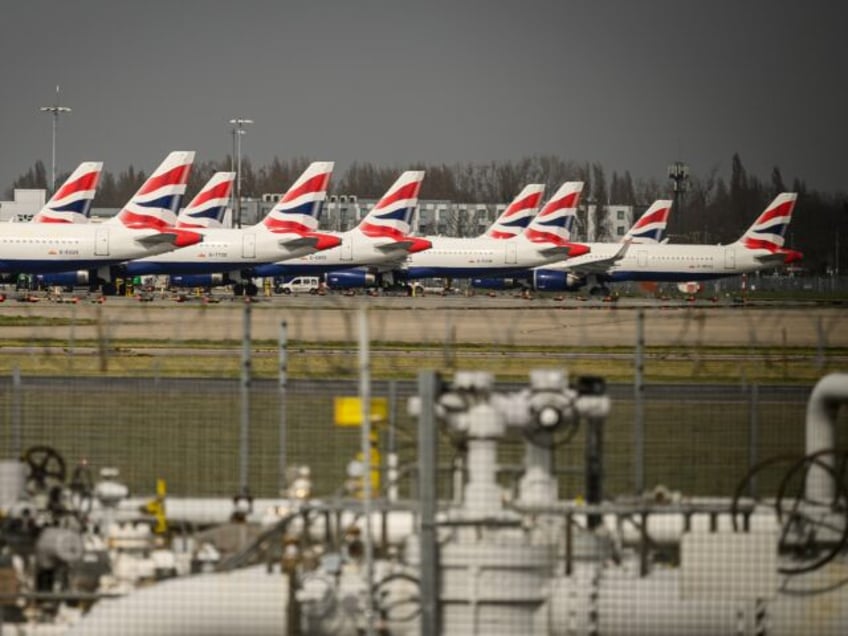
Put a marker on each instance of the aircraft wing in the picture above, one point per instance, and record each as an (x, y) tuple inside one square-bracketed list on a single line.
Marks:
[(600, 264)]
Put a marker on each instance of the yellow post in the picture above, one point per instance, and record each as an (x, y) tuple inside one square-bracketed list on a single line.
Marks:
[(156, 507), (348, 412)]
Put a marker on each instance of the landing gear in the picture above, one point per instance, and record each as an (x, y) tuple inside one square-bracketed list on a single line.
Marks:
[(245, 289)]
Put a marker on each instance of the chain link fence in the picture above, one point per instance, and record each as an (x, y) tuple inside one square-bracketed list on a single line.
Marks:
[(169, 393)]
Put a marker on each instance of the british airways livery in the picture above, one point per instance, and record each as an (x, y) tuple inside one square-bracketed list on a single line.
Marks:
[(647, 229), (517, 215), (760, 247), (542, 242), (208, 207), (379, 243), (72, 202), (144, 226), (231, 254)]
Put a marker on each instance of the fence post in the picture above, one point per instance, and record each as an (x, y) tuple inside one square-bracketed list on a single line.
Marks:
[(244, 433), (282, 386), (753, 437), (17, 399), (427, 460), (365, 402), (639, 405)]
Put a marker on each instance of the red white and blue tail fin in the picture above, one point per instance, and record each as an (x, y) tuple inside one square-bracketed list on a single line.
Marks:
[(391, 216), (208, 206), (556, 220), (649, 227), (156, 203), (769, 230), (298, 210), (72, 202), (518, 214)]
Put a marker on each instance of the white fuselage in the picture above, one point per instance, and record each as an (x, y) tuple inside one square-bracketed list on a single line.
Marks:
[(481, 256), (223, 250), (35, 248), (356, 250), (670, 262)]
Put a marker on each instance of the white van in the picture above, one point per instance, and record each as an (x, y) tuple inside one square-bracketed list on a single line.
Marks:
[(300, 285)]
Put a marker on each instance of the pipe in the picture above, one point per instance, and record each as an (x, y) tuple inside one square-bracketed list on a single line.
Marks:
[(822, 410)]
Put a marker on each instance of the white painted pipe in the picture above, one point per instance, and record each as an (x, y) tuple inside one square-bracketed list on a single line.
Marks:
[(822, 409)]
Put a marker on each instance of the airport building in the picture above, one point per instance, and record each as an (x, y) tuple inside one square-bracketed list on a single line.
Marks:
[(23, 206)]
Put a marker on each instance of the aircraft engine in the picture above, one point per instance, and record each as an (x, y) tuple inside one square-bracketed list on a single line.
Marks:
[(554, 280), (199, 280), (351, 279), (66, 279), (497, 283)]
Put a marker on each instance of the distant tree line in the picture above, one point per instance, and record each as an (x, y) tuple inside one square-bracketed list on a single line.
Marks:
[(710, 211)]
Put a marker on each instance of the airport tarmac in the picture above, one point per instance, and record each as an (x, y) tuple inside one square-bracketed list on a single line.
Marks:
[(501, 320)]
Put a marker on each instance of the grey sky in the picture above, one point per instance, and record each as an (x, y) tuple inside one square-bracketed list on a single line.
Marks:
[(633, 85)]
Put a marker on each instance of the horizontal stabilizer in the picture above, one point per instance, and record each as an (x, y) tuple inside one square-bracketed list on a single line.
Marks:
[(299, 242), (173, 236), (157, 238), (555, 250), (408, 244)]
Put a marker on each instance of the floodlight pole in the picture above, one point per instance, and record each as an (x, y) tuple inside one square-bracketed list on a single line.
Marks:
[(55, 110), (678, 172), (238, 130)]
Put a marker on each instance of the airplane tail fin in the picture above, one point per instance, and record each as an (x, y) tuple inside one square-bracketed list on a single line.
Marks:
[(299, 208), (554, 223), (390, 217), (518, 214), (72, 202), (768, 231), (156, 202), (649, 227), (207, 208)]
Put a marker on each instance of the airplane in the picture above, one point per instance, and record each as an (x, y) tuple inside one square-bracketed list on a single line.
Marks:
[(760, 247), (542, 242), (648, 228), (230, 255), (379, 243), (71, 203), (143, 227)]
